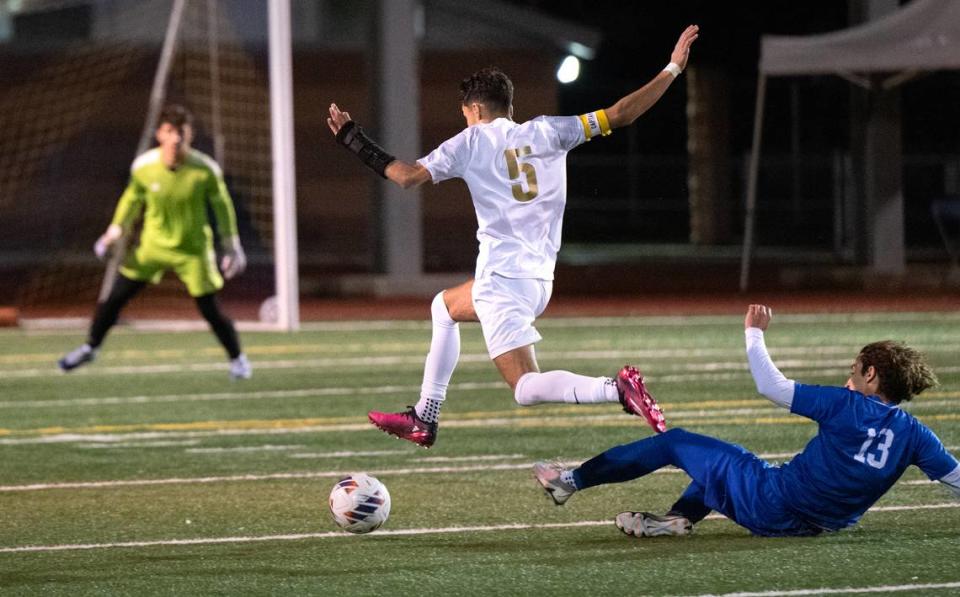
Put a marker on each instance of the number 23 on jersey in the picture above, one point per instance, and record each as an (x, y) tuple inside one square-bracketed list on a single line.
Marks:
[(876, 449)]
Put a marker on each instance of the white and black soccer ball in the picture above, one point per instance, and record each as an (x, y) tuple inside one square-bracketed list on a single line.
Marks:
[(359, 503)]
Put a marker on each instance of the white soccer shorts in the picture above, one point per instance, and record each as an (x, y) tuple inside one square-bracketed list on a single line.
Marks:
[(507, 308)]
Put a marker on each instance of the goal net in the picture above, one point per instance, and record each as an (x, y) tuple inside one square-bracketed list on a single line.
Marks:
[(83, 82)]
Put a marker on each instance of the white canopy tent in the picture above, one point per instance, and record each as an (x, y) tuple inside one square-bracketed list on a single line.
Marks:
[(922, 36)]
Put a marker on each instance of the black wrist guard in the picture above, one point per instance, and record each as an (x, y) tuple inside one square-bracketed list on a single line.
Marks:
[(352, 137)]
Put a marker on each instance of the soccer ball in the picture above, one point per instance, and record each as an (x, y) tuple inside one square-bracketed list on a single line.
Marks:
[(359, 503)]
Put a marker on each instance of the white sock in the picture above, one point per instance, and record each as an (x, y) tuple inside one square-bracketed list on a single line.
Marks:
[(441, 361), (563, 386), (567, 477)]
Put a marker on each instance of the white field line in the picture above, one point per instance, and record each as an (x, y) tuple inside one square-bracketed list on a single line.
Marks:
[(261, 395), (279, 364), (769, 414), (301, 536), (343, 392), (479, 458), (841, 591), (203, 367), (267, 429), (379, 533), (252, 477), (261, 448), (803, 348), (256, 351), (380, 361), (336, 473), (62, 438), (476, 458), (838, 365), (643, 356), (138, 445), (57, 325)]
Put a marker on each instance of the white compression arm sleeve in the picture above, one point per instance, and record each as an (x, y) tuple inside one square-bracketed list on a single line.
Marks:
[(952, 480), (770, 382)]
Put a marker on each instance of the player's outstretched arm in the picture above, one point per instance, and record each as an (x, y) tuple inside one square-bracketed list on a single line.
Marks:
[(770, 381), (351, 135), (629, 108)]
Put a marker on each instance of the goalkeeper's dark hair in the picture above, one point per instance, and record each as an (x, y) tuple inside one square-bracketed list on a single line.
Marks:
[(176, 115), (903, 371), (488, 86)]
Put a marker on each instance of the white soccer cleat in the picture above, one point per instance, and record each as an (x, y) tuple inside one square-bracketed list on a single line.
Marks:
[(240, 368), (78, 356), (644, 524), (547, 475)]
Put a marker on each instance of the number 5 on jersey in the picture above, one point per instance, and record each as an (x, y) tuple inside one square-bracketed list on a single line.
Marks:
[(514, 167)]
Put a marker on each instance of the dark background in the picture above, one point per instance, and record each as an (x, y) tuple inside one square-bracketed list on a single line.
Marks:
[(637, 38), (629, 194)]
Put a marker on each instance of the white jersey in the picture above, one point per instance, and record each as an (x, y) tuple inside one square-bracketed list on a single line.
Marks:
[(517, 176)]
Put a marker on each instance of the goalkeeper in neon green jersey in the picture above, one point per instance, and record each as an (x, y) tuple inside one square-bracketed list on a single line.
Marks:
[(170, 188)]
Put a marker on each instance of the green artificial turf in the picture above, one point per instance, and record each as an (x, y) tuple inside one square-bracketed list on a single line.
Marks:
[(104, 471)]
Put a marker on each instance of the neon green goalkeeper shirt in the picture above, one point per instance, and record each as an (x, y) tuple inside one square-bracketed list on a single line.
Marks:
[(174, 203)]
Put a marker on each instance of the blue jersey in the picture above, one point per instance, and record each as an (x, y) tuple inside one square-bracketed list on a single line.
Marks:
[(862, 448)]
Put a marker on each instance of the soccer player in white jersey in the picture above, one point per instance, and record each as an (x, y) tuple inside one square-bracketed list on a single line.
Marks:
[(516, 174), (864, 443)]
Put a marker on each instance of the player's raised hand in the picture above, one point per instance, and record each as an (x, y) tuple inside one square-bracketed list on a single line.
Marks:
[(337, 118), (758, 316), (681, 52)]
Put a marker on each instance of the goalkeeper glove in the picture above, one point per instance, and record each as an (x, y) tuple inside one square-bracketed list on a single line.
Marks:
[(234, 260), (106, 240)]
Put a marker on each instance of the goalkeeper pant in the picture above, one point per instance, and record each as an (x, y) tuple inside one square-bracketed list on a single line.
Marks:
[(124, 289), (108, 311)]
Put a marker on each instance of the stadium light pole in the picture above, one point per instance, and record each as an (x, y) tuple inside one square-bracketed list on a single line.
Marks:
[(398, 104), (284, 176)]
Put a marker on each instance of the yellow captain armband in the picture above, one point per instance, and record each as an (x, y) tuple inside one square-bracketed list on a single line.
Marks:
[(595, 124)]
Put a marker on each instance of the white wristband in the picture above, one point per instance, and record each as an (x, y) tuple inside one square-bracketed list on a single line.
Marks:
[(674, 69)]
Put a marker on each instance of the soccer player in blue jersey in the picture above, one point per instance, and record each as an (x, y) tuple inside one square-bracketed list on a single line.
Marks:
[(865, 442)]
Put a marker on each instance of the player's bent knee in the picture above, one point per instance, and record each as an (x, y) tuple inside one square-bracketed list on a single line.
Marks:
[(674, 435), (439, 312)]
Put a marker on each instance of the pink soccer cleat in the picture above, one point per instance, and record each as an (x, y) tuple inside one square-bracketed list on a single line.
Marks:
[(406, 425), (636, 400)]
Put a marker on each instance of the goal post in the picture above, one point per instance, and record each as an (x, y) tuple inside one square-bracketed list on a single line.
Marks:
[(284, 175)]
